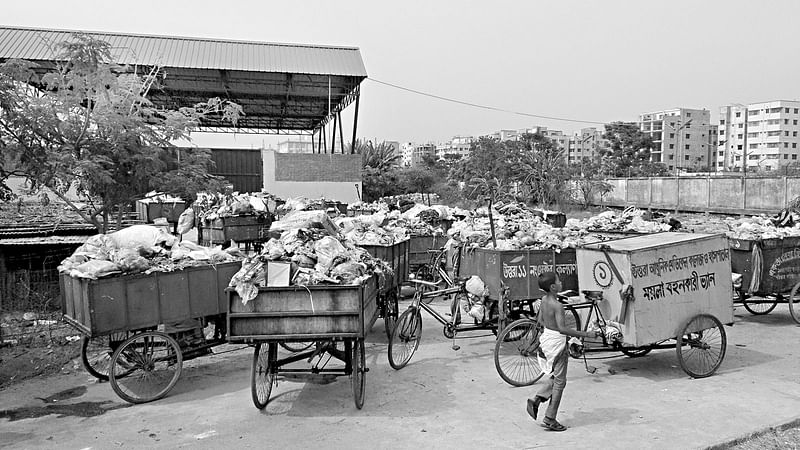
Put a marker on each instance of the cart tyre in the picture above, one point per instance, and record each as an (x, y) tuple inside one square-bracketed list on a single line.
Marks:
[(701, 346), (794, 303), (390, 313), (297, 347), (96, 353), (262, 374), (515, 353), (636, 352), (759, 308), (405, 338), (145, 367), (359, 364)]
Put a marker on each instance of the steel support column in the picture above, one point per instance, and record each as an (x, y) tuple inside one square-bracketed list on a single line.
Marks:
[(355, 122)]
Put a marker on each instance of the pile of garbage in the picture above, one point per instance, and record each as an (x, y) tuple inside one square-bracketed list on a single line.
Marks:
[(211, 206), (140, 249), (315, 251), (748, 228), (305, 204), (518, 227), (373, 229)]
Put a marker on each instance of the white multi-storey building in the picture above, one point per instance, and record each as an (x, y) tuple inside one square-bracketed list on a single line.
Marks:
[(585, 145), (458, 145), (759, 136), (296, 144), (684, 138)]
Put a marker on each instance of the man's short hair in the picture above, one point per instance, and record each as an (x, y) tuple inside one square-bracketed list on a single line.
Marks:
[(546, 280)]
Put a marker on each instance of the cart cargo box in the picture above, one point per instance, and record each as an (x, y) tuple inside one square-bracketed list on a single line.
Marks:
[(396, 256), (149, 211), (674, 277), (133, 302), (248, 228), (518, 269), (779, 266), (304, 313)]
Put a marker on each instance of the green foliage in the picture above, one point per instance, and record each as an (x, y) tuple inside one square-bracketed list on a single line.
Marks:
[(379, 166), (88, 124), (629, 153), (541, 170)]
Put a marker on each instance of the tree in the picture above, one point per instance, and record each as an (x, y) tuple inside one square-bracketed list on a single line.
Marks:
[(417, 179), (379, 165), (587, 181), (88, 124), (541, 170), (487, 171), (629, 152)]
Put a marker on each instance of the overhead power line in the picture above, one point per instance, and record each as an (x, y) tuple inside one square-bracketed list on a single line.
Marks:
[(491, 108)]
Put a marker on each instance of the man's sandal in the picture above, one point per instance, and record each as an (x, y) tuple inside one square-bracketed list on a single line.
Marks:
[(553, 425)]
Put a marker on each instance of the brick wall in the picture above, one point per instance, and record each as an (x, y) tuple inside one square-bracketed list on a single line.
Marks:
[(316, 168)]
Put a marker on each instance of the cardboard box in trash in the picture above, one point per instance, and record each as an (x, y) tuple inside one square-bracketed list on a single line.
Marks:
[(673, 277)]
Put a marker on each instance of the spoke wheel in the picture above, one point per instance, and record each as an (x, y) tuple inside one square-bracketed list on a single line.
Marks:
[(297, 347), (515, 353), (405, 338), (701, 346), (390, 314), (759, 307), (262, 375), (359, 364), (794, 303), (96, 353), (145, 367)]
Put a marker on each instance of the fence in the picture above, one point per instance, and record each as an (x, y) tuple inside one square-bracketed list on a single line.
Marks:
[(716, 194)]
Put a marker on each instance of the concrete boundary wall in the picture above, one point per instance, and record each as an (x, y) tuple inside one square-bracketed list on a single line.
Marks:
[(733, 195)]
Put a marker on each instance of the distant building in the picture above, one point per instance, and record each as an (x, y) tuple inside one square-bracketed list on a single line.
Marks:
[(296, 144), (682, 138), (419, 151), (458, 146), (407, 151), (585, 145), (761, 135)]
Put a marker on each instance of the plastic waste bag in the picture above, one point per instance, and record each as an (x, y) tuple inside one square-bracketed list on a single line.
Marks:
[(186, 221)]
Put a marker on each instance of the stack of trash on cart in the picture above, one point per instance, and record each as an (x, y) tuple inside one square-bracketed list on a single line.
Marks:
[(210, 206), (308, 249), (140, 249), (749, 228)]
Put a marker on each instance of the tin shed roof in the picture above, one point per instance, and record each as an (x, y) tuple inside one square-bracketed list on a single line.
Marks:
[(281, 87)]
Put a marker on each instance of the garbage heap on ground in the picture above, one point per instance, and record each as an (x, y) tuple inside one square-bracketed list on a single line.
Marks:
[(518, 227), (311, 249), (140, 249), (386, 219), (211, 206), (748, 228)]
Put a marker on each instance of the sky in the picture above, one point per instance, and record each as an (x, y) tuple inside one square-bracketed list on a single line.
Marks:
[(593, 61)]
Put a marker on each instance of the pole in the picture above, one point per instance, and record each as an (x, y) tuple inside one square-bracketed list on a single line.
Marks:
[(744, 147), (355, 124)]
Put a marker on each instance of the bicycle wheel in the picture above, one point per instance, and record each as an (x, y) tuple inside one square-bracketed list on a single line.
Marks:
[(297, 347), (759, 307), (515, 353), (145, 367), (262, 374), (794, 303), (359, 365), (701, 345), (405, 338), (390, 313), (96, 353)]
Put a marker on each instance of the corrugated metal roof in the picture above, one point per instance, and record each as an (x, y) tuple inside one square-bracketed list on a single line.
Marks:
[(50, 240), (199, 53)]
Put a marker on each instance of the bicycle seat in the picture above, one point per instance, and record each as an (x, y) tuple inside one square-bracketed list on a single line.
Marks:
[(595, 295)]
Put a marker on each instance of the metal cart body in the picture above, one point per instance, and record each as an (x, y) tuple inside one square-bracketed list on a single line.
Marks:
[(397, 257)]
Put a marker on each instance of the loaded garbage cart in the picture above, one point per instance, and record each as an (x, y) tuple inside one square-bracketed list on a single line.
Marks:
[(138, 329), (397, 257), (337, 318), (663, 290), (770, 273), (250, 229)]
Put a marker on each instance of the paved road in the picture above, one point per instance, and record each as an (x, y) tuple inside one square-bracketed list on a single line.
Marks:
[(442, 399)]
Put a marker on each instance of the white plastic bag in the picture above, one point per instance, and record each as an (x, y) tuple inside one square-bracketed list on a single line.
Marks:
[(186, 221)]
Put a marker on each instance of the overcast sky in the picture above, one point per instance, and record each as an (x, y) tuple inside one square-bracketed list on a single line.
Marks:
[(596, 61)]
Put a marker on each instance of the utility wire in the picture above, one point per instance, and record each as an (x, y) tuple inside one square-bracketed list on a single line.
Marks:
[(491, 108)]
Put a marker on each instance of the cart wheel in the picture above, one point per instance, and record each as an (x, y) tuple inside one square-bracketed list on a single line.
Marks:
[(515, 353), (297, 347), (359, 364), (701, 346), (145, 367), (794, 303), (636, 352), (262, 375), (405, 338), (759, 307), (96, 353), (390, 313)]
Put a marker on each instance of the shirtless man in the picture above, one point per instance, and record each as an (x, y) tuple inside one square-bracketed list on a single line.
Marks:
[(553, 353)]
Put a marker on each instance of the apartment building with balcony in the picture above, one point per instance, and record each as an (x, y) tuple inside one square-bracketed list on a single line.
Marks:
[(684, 138), (759, 136), (585, 145), (458, 146), (296, 144)]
